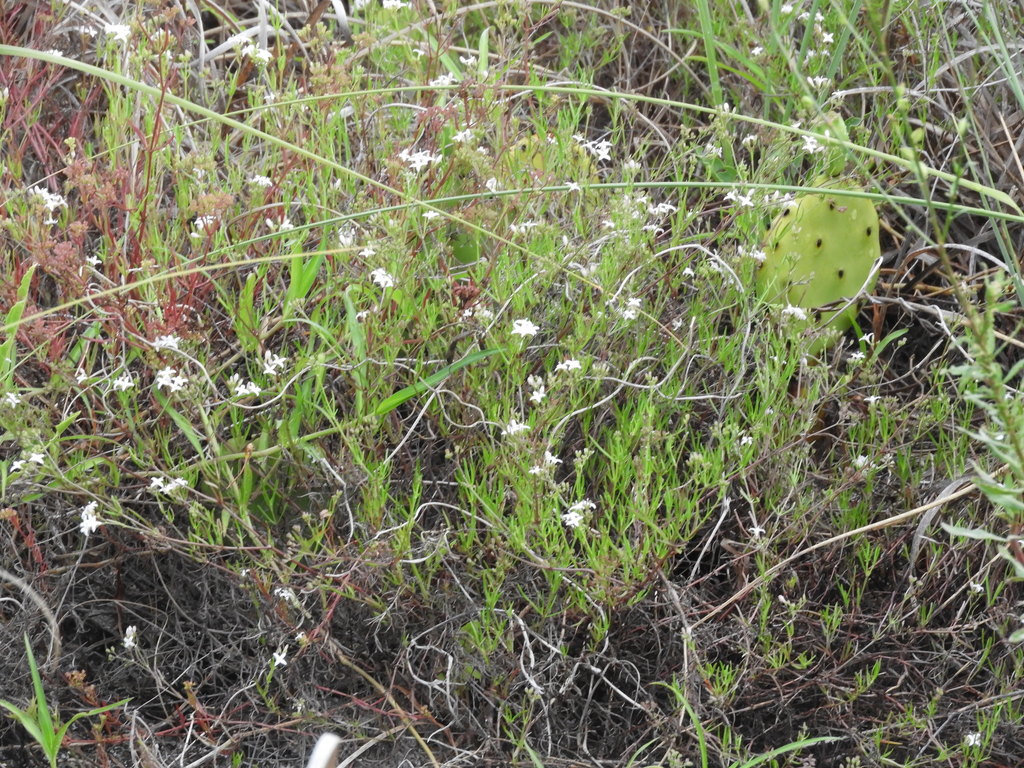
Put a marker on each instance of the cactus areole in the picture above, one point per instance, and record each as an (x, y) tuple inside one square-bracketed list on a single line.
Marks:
[(821, 250)]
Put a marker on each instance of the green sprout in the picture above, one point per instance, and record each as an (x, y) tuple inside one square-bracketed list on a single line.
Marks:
[(43, 725)]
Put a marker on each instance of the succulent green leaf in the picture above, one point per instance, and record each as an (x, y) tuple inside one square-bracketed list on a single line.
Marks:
[(821, 249)]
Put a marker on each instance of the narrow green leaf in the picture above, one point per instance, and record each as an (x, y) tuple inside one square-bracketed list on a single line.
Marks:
[(79, 715), (1008, 556), (534, 757), (42, 710), (245, 319), (482, 53), (26, 720), (784, 749), (183, 424), (7, 349), (973, 533), (303, 274), (357, 336), (389, 404)]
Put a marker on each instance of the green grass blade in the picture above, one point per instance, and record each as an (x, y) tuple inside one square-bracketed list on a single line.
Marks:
[(25, 718), (784, 749), (7, 349), (389, 404), (42, 710)]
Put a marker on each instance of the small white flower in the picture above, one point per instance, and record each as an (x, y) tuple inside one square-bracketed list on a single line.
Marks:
[(492, 185), (797, 313), (240, 388), (119, 32), (430, 215), (279, 226), (347, 237), (166, 342), (89, 521), (976, 587), (859, 462), (443, 80), (781, 198), (203, 225), (17, 465), (756, 532), (367, 252), (744, 201), (169, 378), (123, 383), (174, 484), (746, 440), (394, 5), (160, 485), (524, 328), (382, 278), (469, 61), (130, 636), (279, 655), (37, 458), (572, 519), (600, 149), (418, 160), (538, 395), (856, 357), (287, 594), (578, 512), (786, 8), (818, 82), (572, 186), (632, 309), (273, 364), (478, 312), (256, 53), (514, 427), (51, 200), (811, 144), (463, 136), (756, 51), (712, 150), (872, 399), (972, 740), (550, 459), (583, 506), (261, 181), (569, 364), (525, 226)]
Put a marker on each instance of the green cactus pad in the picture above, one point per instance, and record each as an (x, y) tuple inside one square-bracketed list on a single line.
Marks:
[(821, 249)]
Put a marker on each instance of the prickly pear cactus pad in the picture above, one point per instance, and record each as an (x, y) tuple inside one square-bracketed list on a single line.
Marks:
[(821, 249)]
